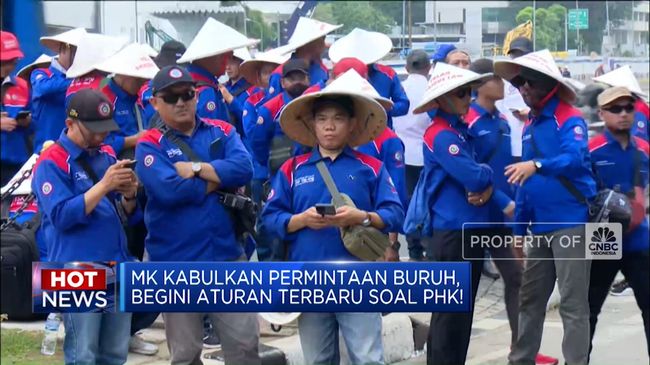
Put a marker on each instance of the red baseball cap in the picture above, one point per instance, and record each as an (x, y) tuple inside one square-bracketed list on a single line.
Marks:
[(348, 63), (9, 47)]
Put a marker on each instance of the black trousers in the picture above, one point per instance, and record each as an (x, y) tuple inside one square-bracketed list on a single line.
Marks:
[(449, 333), (636, 268), (416, 250)]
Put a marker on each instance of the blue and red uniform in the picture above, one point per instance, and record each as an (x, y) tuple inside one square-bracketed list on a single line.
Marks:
[(317, 73), (249, 123), (144, 95), (125, 106), (59, 184), (91, 80), (641, 119), (451, 171), (389, 149), (203, 227), (385, 80), (560, 134), (240, 91), (491, 139), (14, 144), (299, 186), (614, 166), (210, 103), (49, 86)]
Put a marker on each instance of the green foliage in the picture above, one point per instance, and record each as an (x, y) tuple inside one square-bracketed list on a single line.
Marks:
[(257, 28), (354, 14), (23, 347), (549, 26)]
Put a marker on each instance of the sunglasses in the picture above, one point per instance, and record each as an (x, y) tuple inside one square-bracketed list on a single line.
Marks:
[(519, 81), (617, 109), (173, 98), (461, 93)]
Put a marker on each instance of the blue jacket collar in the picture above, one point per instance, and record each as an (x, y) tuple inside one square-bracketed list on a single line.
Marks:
[(549, 108), (192, 68), (453, 119), (120, 93), (482, 111), (316, 156), (72, 148), (611, 140)]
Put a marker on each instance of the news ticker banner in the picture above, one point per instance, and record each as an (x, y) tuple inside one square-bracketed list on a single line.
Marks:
[(252, 287)]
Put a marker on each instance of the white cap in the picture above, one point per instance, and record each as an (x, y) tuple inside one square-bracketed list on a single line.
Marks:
[(369, 47), (444, 79), (132, 60), (215, 38), (92, 50), (540, 61), (308, 30), (622, 76), (71, 37)]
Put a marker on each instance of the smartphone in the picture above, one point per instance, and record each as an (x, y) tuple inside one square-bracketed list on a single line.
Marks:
[(325, 209), (131, 165), (23, 114)]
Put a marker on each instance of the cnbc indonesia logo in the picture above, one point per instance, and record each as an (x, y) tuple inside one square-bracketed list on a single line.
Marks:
[(604, 241)]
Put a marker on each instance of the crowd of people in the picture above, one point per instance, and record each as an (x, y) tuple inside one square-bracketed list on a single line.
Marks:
[(147, 149)]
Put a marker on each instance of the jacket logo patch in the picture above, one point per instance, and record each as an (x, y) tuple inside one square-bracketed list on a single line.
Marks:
[(148, 160), (260, 120), (271, 195), (640, 123), (244, 113), (211, 105), (304, 180), (80, 175), (46, 188), (453, 149), (174, 152), (579, 133), (398, 156)]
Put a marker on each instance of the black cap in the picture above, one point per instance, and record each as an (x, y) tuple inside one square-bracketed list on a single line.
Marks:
[(417, 60), (293, 65), (92, 108), (170, 76), (169, 53), (482, 66), (522, 44)]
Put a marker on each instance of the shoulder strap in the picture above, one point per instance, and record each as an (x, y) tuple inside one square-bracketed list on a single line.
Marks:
[(563, 180), (637, 169), (182, 145), (138, 117), (329, 182)]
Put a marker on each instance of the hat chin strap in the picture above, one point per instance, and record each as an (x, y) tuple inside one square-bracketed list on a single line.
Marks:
[(548, 97)]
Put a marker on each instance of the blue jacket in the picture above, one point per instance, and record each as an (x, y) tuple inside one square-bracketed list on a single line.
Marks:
[(451, 171), (202, 228), (13, 145), (210, 103), (385, 80), (561, 136), (317, 73), (59, 184), (249, 122), (236, 108), (389, 149), (49, 86), (125, 108), (491, 139), (91, 80), (615, 166), (641, 119), (298, 186), (144, 95)]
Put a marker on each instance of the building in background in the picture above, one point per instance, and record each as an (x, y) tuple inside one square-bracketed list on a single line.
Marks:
[(632, 36)]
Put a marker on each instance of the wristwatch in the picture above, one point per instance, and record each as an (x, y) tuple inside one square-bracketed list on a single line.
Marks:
[(367, 222), (396, 246), (196, 168), (538, 164)]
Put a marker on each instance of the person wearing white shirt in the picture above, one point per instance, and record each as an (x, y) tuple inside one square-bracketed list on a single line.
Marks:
[(411, 127)]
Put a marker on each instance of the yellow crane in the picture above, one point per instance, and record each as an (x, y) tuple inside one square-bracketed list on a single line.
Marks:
[(522, 30)]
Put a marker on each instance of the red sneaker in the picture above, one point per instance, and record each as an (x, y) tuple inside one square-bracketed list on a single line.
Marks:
[(542, 359)]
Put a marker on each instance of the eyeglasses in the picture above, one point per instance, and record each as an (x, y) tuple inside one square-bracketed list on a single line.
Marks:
[(617, 109), (519, 81), (173, 98), (461, 93)]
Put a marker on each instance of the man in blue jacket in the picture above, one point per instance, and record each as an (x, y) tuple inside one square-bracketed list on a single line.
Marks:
[(237, 89), (459, 191), (297, 188), (555, 181), (183, 192), (84, 195), (620, 159), (49, 86)]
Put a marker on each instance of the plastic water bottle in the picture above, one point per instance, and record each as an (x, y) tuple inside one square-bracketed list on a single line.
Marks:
[(48, 346)]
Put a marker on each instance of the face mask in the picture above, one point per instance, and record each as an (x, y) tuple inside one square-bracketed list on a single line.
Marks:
[(297, 90)]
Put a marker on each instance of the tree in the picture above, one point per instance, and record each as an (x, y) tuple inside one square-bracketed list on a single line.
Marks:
[(259, 29), (354, 14), (547, 25)]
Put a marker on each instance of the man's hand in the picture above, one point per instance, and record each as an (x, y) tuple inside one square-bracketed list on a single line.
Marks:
[(522, 115), (310, 218), (117, 176), (390, 255), (227, 96), (184, 169), (346, 216), (7, 124), (509, 210), (130, 189), (479, 199), (519, 172)]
